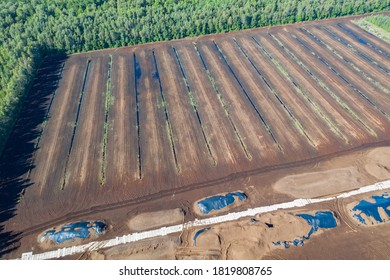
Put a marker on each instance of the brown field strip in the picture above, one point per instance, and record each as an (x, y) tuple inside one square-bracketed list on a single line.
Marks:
[(216, 123), (86, 157), (378, 100), (367, 114), (374, 74), (158, 126), (376, 57), (122, 164)]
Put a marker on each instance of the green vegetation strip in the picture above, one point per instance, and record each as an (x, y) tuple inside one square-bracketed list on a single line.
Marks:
[(359, 53), (166, 113), (260, 115), (106, 115), (349, 62), (195, 107), (296, 122), (223, 104), (335, 71), (323, 85), (316, 107)]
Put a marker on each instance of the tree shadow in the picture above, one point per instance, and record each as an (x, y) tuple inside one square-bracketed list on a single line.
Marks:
[(17, 159)]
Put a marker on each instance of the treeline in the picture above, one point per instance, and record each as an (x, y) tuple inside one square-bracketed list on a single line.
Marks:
[(31, 29), (381, 21)]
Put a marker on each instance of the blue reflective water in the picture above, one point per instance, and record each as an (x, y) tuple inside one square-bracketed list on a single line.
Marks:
[(72, 231), (353, 34), (199, 232), (219, 201), (371, 209), (321, 219)]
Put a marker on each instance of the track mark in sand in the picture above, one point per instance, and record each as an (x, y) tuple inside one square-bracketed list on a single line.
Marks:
[(344, 217), (265, 124), (44, 123), (194, 106), (296, 122), (105, 136), (337, 73), (322, 84), (223, 104), (137, 74), (166, 113), (75, 125)]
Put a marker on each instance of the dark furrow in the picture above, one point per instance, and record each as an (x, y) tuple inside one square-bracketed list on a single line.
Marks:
[(223, 104), (168, 123), (75, 125), (337, 73), (44, 123), (346, 60), (136, 77), (362, 55), (316, 107), (323, 85), (362, 41), (105, 136), (296, 122), (266, 126), (194, 106)]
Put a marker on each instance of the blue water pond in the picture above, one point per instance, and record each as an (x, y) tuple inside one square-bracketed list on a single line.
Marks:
[(198, 233), (371, 209), (321, 219), (219, 201), (72, 231)]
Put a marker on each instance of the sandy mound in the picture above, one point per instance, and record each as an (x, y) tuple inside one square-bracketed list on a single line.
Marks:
[(378, 163), (245, 239), (321, 183), (162, 248), (145, 221)]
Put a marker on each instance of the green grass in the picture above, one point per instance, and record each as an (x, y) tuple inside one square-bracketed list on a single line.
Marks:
[(378, 25)]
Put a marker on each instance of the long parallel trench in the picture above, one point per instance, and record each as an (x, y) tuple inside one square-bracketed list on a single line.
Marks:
[(185, 113)]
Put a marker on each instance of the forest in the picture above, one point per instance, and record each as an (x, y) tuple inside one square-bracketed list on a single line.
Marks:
[(33, 29)]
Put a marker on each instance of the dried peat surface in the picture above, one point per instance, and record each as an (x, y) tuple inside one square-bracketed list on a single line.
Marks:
[(126, 135)]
